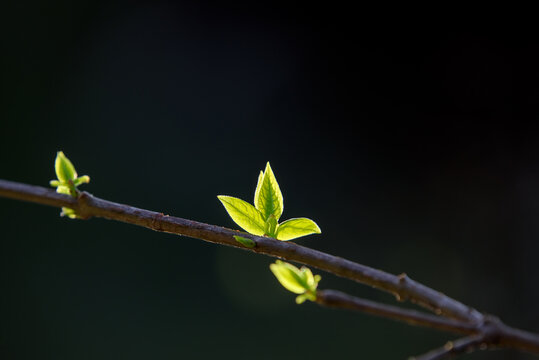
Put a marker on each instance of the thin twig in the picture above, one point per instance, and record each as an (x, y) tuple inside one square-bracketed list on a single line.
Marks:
[(451, 348), (404, 288), (340, 300), (492, 332)]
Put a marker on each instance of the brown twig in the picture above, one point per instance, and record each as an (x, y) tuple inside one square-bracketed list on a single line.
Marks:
[(460, 318), (451, 348), (491, 331), (340, 300)]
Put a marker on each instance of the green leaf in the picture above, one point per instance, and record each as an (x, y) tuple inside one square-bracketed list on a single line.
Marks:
[(311, 281), (300, 299), (81, 180), (67, 181), (299, 281), (65, 170), (244, 214), (271, 226), (297, 227), (67, 190), (258, 186), (70, 213), (308, 276), (289, 276), (245, 241), (268, 197)]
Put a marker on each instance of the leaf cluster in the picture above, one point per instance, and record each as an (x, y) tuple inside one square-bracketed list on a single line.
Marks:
[(262, 218), (299, 281), (68, 180)]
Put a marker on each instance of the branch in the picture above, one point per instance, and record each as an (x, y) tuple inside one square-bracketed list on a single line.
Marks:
[(464, 318), (87, 206), (491, 332), (340, 300), (467, 344)]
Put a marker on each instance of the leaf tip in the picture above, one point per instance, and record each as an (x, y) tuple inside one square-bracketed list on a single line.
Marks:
[(268, 167), (222, 198)]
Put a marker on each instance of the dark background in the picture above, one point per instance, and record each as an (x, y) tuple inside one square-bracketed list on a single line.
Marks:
[(413, 144)]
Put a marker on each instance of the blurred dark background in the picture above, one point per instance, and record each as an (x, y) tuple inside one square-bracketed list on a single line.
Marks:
[(414, 145)]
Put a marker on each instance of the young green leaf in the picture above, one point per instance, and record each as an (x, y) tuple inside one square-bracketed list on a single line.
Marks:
[(245, 241), (271, 226), (289, 276), (299, 281), (70, 213), (262, 219), (65, 171), (67, 181), (81, 180), (294, 228), (311, 281), (300, 299), (244, 214), (258, 186), (268, 197), (63, 189)]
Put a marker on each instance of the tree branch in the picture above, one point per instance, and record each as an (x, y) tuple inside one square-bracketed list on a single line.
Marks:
[(464, 318), (340, 300), (467, 344), (87, 206), (491, 332)]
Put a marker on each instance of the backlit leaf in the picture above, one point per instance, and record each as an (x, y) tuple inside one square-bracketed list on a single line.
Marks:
[(244, 214), (70, 213), (268, 198), (271, 226), (65, 170), (81, 180), (297, 227), (300, 299), (289, 276), (258, 186)]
